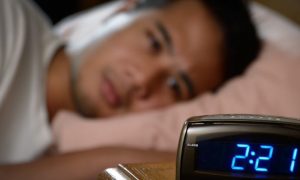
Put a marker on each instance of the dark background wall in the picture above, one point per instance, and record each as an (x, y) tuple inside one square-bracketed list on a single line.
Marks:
[(58, 9)]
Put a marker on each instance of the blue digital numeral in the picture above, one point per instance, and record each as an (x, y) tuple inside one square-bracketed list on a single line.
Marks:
[(292, 166), (263, 158), (235, 158)]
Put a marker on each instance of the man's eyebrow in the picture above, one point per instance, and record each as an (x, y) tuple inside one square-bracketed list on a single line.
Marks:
[(167, 38), (166, 35), (188, 83)]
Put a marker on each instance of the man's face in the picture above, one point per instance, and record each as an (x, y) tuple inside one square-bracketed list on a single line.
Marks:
[(162, 57)]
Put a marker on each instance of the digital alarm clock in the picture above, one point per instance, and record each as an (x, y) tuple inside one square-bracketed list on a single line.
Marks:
[(239, 147)]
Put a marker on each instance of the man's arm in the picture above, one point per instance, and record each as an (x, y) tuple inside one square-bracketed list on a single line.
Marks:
[(80, 165)]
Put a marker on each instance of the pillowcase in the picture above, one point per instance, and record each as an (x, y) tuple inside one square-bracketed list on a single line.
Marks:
[(276, 29)]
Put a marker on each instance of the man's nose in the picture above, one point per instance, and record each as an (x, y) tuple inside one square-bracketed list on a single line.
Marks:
[(146, 77)]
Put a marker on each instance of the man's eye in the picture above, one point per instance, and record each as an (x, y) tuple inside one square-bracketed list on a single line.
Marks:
[(174, 85), (155, 44)]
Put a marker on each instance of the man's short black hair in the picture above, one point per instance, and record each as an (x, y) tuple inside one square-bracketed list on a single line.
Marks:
[(242, 44)]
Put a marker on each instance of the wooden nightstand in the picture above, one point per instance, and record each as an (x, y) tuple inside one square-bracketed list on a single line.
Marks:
[(155, 171)]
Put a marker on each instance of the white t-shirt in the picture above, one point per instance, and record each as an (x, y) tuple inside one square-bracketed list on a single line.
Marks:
[(27, 45)]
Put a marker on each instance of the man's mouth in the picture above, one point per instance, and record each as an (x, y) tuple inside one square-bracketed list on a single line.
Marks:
[(109, 93)]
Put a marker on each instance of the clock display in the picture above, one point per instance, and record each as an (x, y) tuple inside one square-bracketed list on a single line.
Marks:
[(249, 155)]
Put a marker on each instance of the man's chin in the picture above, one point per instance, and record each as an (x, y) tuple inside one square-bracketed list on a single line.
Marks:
[(85, 109), (87, 113)]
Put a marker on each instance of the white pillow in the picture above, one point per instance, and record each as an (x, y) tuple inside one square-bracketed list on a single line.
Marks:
[(276, 29)]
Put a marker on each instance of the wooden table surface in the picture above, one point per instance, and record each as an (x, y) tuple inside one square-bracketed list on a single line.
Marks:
[(145, 171)]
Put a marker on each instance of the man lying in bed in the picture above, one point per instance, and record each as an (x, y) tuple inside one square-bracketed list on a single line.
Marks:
[(144, 59), (150, 57)]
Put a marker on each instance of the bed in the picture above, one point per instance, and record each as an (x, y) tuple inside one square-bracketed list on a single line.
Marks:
[(270, 86)]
